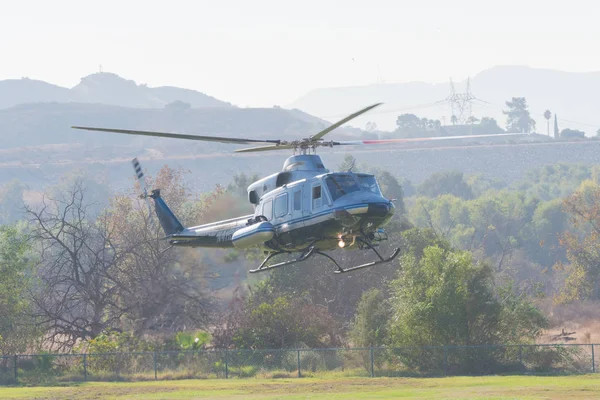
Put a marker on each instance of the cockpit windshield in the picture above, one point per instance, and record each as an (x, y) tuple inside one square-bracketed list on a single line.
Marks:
[(368, 183), (340, 185)]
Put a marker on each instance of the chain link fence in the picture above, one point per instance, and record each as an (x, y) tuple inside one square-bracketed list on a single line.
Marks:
[(43, 369)]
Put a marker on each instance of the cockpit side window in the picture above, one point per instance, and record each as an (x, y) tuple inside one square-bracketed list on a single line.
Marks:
[(281, 205), (268, 209)]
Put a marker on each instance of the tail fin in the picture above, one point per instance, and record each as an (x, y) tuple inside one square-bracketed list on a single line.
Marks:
[(168, 220)]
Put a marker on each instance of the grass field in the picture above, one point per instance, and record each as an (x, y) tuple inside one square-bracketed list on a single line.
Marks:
[(491, 387)]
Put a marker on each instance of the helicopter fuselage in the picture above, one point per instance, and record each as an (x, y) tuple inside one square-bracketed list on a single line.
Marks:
[(326, 211)]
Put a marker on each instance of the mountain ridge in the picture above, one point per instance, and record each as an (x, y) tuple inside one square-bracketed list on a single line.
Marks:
[(101, 87), (571, 95)]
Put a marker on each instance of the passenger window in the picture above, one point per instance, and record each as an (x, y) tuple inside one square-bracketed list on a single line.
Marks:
[(281, 205), (298, 200), (316, 196), (268, 209)]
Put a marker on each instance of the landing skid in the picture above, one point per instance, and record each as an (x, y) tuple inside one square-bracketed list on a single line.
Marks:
[(311, 251), (302, 257), (381, 260)]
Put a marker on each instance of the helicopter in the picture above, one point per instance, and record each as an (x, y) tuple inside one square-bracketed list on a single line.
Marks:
[(304, 209)]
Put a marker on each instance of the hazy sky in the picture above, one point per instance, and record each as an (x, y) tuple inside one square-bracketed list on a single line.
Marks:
[(266, 52)]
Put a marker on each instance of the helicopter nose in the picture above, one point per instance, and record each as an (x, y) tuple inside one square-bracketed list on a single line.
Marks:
[(380, 209)]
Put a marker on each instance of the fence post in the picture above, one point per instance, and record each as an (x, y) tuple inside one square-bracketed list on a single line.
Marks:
[(445, 360), (155, 366), (85, 367), (521, 355), (16, 368), (372, 363), (593, 360), (299, 374), (226, 365)]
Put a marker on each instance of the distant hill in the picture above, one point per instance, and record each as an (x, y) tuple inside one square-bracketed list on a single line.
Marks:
[(21, 91), (573, 96), (37, 143), (104, 88)]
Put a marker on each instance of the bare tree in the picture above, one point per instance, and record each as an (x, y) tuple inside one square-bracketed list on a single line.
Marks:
[(77, 293), (111, 270)]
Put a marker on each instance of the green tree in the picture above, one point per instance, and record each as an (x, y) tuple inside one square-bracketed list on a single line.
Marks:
[(442, 297), (16, 327), (11, 202), (549, 222), (451, 182), (582, 244), (518, 118), (370, 323), (285, 322)]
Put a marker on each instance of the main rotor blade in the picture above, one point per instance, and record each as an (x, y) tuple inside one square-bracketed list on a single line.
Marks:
[(181, 136), (422, 139), (265, 148), (343, 121)]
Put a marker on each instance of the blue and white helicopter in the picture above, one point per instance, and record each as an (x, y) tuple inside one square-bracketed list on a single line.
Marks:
[(303, 209)]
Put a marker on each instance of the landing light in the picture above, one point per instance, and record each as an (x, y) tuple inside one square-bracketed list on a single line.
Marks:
[(341, 243)]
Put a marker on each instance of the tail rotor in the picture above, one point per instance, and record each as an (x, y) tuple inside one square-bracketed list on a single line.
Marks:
[(140, 177)]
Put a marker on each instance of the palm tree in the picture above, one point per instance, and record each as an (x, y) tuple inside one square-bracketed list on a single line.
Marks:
[(547, 115)]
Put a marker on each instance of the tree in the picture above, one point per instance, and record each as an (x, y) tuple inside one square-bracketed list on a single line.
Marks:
[(598, 133), (518, 118), (451, 182), (110, 270), (370, 322), (442, 297), (547, 115), (371, 126), (409, 125), (408, 122), (11, 202), (78, 291), (392, 189), (582, 245), (556, 131), (239, 186), (348, 164), (489, 125), (16, 327), (453, 119), (572, 134), (285, 322)]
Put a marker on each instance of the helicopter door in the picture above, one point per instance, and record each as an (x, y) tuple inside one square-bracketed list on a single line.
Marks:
[(317, 197), (297, 203)]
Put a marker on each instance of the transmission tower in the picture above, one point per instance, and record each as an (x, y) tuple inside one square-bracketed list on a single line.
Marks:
[(461, 103)]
